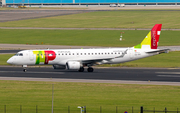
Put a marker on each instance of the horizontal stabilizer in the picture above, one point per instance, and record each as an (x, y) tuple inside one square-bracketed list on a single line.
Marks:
[(159, 51)]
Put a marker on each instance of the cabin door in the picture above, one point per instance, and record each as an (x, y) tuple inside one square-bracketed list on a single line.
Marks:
[(31, 55), (131, 53)]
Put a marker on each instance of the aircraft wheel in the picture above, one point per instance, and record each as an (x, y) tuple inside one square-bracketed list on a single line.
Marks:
[(90, 69), (81, 69), (24, 70)]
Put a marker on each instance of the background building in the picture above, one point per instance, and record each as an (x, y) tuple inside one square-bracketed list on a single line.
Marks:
[(92, 2)]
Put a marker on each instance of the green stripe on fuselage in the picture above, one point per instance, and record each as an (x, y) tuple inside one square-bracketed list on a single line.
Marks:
[(40, 57)]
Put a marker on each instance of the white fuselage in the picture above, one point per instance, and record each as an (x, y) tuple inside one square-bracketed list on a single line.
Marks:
[(84, 56)]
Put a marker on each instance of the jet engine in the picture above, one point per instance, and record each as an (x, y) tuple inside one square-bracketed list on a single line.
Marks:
[(73, 65), (59, 66)]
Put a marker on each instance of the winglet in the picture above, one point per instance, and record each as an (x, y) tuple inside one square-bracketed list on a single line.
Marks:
[(152, 39)]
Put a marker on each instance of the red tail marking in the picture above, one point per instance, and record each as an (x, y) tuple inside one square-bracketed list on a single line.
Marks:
[(155, 36)]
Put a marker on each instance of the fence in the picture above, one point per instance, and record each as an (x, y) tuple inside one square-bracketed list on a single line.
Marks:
[(67, 109), (79, 109), (157, 111)]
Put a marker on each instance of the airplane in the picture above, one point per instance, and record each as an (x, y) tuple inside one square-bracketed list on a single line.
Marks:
[(77, 59)]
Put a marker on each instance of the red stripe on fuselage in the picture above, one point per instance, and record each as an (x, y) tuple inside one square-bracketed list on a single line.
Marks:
[(50, 55)]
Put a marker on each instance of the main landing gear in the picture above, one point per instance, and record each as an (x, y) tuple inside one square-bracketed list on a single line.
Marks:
[(81, 69), (90, 69)]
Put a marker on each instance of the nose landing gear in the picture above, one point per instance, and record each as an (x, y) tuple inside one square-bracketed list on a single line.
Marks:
[(24, 70), (24, 66)]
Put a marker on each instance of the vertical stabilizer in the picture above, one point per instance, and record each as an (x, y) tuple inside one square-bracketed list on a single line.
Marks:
[(152, 39)]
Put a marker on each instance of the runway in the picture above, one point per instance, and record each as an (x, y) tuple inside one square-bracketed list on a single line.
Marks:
[(100, 75), (14, 15), (9, 51)]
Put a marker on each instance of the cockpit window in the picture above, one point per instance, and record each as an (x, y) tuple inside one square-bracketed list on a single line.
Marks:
[(19, 54)]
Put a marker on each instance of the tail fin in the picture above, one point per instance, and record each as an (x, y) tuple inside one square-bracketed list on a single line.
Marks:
[(152, 39)]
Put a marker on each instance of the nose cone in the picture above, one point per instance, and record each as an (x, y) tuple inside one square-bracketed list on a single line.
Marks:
[(10, 61)]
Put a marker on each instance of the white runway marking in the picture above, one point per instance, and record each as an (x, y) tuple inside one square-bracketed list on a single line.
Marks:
[(168, 75), (31, 72)]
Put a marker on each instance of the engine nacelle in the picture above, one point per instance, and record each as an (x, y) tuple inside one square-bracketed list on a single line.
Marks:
[(73, 65), (59, 66)]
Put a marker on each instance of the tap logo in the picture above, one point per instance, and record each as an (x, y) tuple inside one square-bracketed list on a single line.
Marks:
[(44, 56)]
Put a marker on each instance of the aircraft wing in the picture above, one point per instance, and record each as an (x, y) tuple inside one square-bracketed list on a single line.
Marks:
[(102, 60)]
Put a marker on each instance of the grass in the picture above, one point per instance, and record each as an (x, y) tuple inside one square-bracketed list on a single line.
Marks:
[(104, 19), (108, 38), (170, 60), (4, 58), (93, 95)]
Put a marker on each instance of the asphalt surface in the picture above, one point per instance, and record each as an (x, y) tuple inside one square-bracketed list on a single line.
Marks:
[(128, 74), (85, 28), (9, 51), (13, 15)]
